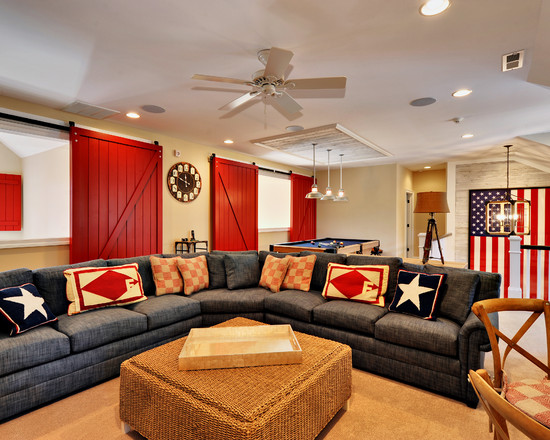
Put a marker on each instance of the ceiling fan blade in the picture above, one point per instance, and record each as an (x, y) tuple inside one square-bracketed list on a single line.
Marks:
[(334, 82), (220, 79), (287, 103), (240, 100), (277, 62)]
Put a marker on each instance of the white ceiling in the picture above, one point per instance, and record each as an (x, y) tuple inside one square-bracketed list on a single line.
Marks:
[(123, 54)]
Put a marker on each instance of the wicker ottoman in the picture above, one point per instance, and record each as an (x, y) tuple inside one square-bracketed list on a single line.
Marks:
[(270, 402)]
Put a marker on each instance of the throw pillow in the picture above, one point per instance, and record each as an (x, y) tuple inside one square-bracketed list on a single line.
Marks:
[(417, 293), (166, 275), (24, 308), (366, 284), (194, 272), (90, 288), (242, 270), (299, 273), (274, 272)]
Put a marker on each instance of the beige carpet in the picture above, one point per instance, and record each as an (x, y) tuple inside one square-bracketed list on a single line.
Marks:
[(379, 409)]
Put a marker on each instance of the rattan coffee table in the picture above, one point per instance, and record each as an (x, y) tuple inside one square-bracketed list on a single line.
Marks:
[(294, 401)]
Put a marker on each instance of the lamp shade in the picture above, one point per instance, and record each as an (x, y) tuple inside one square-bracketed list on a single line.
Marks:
[(432, 201)]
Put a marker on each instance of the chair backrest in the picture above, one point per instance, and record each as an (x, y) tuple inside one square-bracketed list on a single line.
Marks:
[(500, 410), (538, 307)]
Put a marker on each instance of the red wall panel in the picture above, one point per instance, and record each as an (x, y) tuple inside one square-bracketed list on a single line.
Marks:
[(303, 212), (116, 197), (234, 199), (10, 202)]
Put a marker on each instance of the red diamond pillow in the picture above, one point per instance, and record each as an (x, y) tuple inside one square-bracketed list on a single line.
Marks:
[(366, 284), (273, 272), (94, 287), (299, 272), (166, 275), (194, 272)]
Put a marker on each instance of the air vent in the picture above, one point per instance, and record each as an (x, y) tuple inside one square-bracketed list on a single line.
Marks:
[(512, 61), (92, 111)]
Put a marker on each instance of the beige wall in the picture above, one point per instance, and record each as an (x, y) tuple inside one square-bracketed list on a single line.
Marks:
[(178, 218), (267, 238), (10, 163), (424, 181), (33, 257)]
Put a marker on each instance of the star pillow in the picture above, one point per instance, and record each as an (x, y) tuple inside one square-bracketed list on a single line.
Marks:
[(417, 293), (366, 284), (23, 308)]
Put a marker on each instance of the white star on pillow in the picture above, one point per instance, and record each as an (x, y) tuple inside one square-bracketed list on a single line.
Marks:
[(412, 292), (29, 302)]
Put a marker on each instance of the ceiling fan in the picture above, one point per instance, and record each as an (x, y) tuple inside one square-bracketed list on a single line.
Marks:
[(270, 81)]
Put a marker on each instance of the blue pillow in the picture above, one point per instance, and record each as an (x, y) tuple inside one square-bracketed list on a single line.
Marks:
[(23, 308), (417, 293)]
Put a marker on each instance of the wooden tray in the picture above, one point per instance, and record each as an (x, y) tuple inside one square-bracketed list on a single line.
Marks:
[(232, 347)]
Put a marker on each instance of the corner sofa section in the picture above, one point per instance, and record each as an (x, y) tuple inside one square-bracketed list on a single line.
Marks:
[(78, 351)]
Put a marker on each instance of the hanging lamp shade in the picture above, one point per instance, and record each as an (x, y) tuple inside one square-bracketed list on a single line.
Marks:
[(341, 197), (508, 215), (314, 193), (328, 192)]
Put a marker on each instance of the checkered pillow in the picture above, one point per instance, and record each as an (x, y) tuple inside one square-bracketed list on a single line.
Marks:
[(366, 284), (299, 273), (194, 272), (530, 396), (166, 275), (274, 272)]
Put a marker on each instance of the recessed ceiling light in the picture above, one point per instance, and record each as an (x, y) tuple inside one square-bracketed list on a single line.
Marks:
[(462, 92), (467, 136), (153, 108), (228, 141), (294, 128), (421, 102), (132, 115), (427, 167), (434, 7)]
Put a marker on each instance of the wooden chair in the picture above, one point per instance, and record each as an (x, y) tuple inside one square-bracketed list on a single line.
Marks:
[(500, 410)]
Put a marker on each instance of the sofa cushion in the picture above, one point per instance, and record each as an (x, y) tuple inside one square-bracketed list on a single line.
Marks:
[(320, 269), (166, 275), (273, 273), (102, 326), (489, 285), (417, 294), (439, 336), (294, 303), (354, 316), (52, 284), (91, 288), (22, 308), (241, 270), (458, 292), (232, 301), (216, 271), (144, 269), (15, 277), (35, 347), (366, 284), (393, 262), (194, 272), (299, 273), (166, 309)]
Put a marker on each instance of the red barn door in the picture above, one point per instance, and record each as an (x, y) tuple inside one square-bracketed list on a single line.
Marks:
[(116, 197), (234, 205), (303, 212)]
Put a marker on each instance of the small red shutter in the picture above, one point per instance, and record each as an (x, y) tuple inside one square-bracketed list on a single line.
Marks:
[(303, 212), (234, 205), (10, 202), (116, 197)]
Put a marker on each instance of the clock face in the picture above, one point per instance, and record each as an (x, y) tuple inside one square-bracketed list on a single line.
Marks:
[(184, 182)]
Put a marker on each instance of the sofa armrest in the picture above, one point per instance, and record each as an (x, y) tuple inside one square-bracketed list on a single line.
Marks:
[(473, 324)]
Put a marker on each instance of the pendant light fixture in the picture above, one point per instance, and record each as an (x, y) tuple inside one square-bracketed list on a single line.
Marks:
[(341, 197), (508, 215), (328, 194), (314, 194)]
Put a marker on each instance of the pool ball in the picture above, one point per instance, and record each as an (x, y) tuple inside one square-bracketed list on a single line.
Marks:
[(341, 243)]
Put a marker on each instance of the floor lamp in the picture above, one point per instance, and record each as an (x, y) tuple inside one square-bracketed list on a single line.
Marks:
[(431, 202)]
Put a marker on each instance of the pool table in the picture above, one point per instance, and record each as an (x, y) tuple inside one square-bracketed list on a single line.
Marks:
[(349, 246)]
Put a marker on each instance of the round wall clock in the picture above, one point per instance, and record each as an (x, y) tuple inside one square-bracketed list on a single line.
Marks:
[(184, 182)]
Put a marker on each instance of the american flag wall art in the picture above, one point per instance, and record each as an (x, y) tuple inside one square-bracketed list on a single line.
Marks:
[(490, 253)]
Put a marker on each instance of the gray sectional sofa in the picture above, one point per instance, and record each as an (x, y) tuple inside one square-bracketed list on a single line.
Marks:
[(54, 360)]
